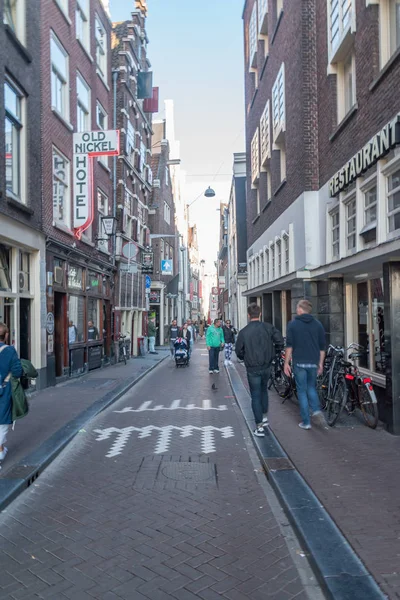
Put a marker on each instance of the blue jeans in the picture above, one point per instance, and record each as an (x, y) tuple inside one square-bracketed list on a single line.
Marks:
[(191, 346), (258, 384), (306, 383), (213, 355)]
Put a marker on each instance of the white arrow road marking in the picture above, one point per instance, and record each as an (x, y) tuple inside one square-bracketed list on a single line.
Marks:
[(164, 436), (175, 405)]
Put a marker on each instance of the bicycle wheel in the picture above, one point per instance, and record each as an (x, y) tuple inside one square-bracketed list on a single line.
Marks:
[(124, 355), (368, 405), (322, 389), (281, 383), (336, 402)]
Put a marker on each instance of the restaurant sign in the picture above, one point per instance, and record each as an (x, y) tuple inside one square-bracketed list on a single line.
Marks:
[(375, 149)]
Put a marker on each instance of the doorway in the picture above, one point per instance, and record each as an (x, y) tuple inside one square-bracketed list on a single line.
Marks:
[(59, 332), (25, 328)]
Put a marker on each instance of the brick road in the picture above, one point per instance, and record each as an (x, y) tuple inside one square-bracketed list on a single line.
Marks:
[(354, 471), (161, 497)]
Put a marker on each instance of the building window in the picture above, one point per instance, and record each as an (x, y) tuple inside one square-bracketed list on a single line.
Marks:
[(102, 208), (394, 25), (370, 325), (130, 143), (255, 157), (263, 17), (389, 22), (5, 269), (61, 189), (253, 34), (24, 272), (394, 200), (76, 316), (278, 103), (265, 136), (63, 4), (14, 140), (351, 213), (101, 117), (14, 17), (266, 265), (286, 242), (258, 201), (340, 17), (279, 257), (101, 48), (370, 205), (346, 92), (272, 261), (167, 213), (166, 176), (335, 228), (83, 104), (82, 22), (59, 78)]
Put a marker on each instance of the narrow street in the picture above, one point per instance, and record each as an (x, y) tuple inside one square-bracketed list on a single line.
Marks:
[(161, 496)]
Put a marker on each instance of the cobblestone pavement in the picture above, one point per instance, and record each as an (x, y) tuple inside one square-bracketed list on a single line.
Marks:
[(160, 497), (53, 407), (354, 471)]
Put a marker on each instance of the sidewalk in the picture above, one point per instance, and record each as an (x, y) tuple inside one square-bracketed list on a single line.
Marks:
[(354, 471), (54, 407)]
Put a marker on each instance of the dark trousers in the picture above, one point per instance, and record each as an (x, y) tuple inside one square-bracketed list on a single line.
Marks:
[(258, 384), (213, 357)]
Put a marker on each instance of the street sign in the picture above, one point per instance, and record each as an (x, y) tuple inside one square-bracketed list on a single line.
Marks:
[(97, 143), (148, 282), (108, 225), (129, 268), (130, 250), (166, 267)]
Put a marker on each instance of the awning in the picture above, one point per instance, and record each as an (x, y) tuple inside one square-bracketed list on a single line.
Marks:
[(172, 287)]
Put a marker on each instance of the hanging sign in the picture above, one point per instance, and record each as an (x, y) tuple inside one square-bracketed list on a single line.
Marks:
[(147, 262), (86, 146), (166, 267)]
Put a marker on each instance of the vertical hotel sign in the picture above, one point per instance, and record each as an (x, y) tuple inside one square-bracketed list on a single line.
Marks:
[(87, 146)]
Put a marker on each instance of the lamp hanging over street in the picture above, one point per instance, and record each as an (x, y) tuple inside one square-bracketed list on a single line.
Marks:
[(209, 193)]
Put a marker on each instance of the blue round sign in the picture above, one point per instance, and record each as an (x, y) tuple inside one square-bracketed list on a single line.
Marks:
[(148, 282)]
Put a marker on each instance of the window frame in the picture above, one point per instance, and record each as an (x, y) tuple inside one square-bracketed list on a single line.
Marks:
[(333, 228), (351, 201), (101, 49), (102, 242), (65, 81), (85, 19), (66, 222), (265, 135), (167, 212), (389, 193), (18, 123), (255, 157), (279, 105), (253, 37), (344, 29), (80, 105), (19, 26)]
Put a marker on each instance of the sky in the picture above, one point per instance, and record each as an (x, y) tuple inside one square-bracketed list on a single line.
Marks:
[(196, 53)]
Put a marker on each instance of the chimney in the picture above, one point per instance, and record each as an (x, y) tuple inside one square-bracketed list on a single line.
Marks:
[(142, 6)]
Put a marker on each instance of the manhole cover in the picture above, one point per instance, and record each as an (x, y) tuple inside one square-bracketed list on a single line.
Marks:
[(189, 471)]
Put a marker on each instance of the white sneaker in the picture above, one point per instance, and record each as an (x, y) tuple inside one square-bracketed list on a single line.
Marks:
[(216, 371), (211, 372), (259, 431), (225, 363), (3, 453), (230, 363), (303, 426), (265, 422)]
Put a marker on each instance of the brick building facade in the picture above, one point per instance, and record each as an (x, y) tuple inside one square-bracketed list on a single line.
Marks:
[(22, 244), (323, 127), (76, 83)]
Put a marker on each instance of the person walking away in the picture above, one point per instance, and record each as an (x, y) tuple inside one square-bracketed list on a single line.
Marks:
[(305, 347), (173, 334), (10, 366), (229, 336), (215, 342), (151, 332), (255, 345)]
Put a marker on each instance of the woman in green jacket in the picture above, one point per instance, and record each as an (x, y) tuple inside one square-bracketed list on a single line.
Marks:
[(215, 342)]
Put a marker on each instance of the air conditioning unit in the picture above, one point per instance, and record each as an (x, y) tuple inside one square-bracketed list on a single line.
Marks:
[(22, 281), (58, 275)]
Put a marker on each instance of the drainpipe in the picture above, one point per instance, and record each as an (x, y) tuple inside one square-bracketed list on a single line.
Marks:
[(115, 74)]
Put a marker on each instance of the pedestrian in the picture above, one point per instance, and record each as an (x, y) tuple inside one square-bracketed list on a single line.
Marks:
[(93, 332), (151, 332), (201, 329), (305, 347), (187, 336), (255, 345), (229, 336), (215, 342), (10, 366), (72, 333), (173, 334), (192, 330)]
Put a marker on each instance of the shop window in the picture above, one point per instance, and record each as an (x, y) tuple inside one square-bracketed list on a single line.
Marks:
[(75, 277), (7, 316), (371, 325), (76, 317), (335, 232), (394, 201), (93, 326), (59, 272), (14, 140), (351, 229), (61, 189), (93, 283), (5, 269), (24, 272)]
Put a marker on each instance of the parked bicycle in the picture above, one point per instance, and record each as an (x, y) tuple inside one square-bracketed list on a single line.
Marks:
[(123, 353), (348, 389), (284, 386)]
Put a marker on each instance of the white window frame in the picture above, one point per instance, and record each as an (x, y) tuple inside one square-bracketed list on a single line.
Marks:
[(167, 212), (67, 184), (82, 15), (102, 211), (344, 107), (265, 138), (101, 49), (390, 193), (332, 228), (63, 6), (266, 264), (255, 157), (278, 105), (351, 201), (17, 21), (262, 17), (286, 252), (278, 251), (387, 22), (253, 37), (366, 189), (101, 110), (81, 106), (166, 176), (62, 110), (341, 19), (18, 121)]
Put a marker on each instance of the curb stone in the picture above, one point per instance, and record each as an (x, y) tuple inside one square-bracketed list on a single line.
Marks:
[(335, 563), (28, 469)]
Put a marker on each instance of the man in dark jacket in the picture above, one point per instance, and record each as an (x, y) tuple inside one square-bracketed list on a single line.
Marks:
[(255, 345), (229, 335), (305, 347), (173, 334), (10, 366)]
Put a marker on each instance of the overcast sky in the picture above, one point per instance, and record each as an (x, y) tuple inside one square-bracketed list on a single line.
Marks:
[(197, 58)]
